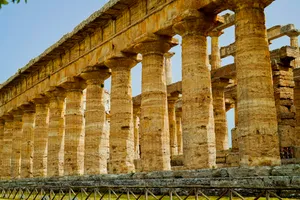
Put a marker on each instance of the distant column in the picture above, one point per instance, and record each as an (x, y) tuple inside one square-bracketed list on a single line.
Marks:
[(96, 140), (40, 143), (215, 50), (172, 123), (27, 140), (121, 116), (74, 138), (294, 42), (136, 124), (56, 133), (16, 144), (179, 130), (168, 67)]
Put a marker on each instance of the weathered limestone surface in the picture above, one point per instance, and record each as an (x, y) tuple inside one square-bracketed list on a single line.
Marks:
[(257, 129), (40, 138), (136, 125), (7, 148), (179, 131), (168, 67), (154, 124), (27, 140), (74, 137), (121, 120), (197, 109), (56, 133), (16, 144), (96, 140)]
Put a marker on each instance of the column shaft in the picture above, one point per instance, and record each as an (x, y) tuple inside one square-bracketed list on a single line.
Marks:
[(121, 120), (56, 134), (136, 124), (172, 126), (179, 131), (197, 108), (16, 145), (168, 67), (27, 143), (40, 150), (7, 148), (257, 129)]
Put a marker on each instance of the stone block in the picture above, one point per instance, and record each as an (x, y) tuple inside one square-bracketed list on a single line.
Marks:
[(233, 159), (177, 160), (138, 165)]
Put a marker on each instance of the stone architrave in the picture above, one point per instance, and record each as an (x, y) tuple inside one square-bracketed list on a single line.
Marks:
[(7, 148), (172, 123), (121, 116), (27, 140), (74, 136), (154, 124), (16, 144), (168, 67), (96, 140), (197, 106), (257, 129), (179, 130), (218, 87), (40, 137), (55, 162)]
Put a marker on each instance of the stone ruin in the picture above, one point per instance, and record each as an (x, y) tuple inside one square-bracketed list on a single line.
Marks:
[(48, 129)]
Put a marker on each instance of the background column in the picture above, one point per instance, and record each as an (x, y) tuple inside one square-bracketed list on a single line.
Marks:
[(172, 123), (16, 144), (7, 148)]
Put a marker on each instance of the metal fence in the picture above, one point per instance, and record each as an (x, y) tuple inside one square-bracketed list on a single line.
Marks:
[(147, 193)]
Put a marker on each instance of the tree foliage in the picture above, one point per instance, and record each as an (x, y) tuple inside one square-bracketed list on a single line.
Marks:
[(5, 2)]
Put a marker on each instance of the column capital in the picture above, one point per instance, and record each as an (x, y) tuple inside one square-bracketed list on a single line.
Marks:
[(215, 33), (94, 75), (28, 108), (116, 63), (17, 113), (238, 4), (220, 82), (55, 93), (7, 117), (72, 83), (194, 22), (155, 44), (294, 33), (173, 97), (169, 54), (40, 99)]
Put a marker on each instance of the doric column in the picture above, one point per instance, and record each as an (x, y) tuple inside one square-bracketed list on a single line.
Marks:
[(172, 123), (197, 108), (294, 42), (215, 60), (40, 141), (257, 129), (121, 137), (2, 123), (168, 67), (179, 131), (74, 137), (56, 132), (96, 141), (27, 140), (136, 124), (218, 87), (7, 148), (154, 124), (16, 144)]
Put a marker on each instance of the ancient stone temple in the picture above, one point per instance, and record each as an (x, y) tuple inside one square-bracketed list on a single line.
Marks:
[(56, 118)]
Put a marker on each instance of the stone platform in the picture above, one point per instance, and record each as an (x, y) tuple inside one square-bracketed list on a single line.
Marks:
[(279, 177)]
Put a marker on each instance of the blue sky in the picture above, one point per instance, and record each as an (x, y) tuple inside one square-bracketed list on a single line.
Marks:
[(28, 29)]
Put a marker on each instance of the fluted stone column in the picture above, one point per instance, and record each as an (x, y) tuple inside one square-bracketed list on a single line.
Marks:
[(215, 61), (154, 123), (168, 67), (74, 137), (2, 123), (55, 162), (96, 141), (136, 124), (16, 144), (294, 42), (218, 87), (7, 148), (27, 140), (197, 108), (40, 141), (179, 131), (121, 116), (257, 129), (172, 124)]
